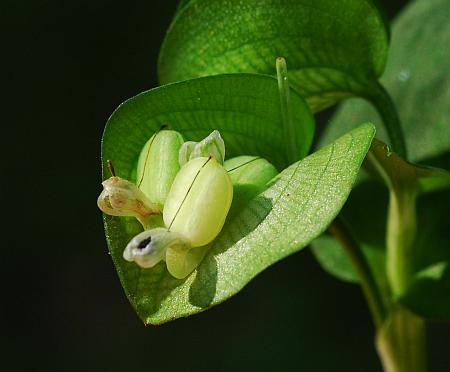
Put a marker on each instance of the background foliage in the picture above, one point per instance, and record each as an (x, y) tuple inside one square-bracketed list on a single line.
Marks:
[(69, 65)]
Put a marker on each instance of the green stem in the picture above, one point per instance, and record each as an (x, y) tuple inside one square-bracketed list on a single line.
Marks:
[(401, 218), (289, 129), (357, 258), (401, 342), (382, 101), (401, 232)]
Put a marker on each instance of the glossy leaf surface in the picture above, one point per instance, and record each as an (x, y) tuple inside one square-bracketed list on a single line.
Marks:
[(418, 78), (245, 108), (333, 48)]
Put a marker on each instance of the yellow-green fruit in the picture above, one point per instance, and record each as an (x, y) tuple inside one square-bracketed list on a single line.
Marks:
[(158, 165), (199, 200), (250, 170), (181, 260), (250, 175)]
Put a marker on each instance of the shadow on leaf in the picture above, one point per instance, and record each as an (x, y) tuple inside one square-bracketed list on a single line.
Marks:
[(239, 225)]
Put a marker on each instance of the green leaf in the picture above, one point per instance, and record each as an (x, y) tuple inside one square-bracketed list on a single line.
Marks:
[(296, 207), (405, 181), (245, 108), (418, 78), (429, 293), (333, 49), (335, 261), (181, 5), (365, 214), (398, 173), (384, 14), (369, 228), (433, 238)]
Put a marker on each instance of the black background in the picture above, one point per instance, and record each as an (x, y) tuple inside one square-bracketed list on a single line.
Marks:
[(67, 66)]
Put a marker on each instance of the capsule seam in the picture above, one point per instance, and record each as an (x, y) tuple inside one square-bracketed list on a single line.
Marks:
[(187, 193)]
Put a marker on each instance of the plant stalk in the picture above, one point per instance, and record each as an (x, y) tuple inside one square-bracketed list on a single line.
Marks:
[(401, 232), (401, 335), (382, 101), (401, 343), (289, 129), (359, 262)]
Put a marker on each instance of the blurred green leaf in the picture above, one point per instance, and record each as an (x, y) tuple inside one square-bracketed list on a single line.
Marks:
[(429, 293), (365, 214), (397, 173), (181, 5), (406, 181), (335, 261), (432, 239), (334, 49), (295, 208), (418, 78), (432, 243)]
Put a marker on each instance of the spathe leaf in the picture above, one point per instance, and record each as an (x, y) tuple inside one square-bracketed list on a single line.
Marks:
[(296, 207), (244, 108)]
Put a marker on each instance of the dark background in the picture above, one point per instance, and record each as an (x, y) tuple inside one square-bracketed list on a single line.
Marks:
[(68, 65)]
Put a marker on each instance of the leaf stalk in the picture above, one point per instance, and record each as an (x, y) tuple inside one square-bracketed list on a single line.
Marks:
[(382, 101), (368, 284), (289, 129), (401, 342)]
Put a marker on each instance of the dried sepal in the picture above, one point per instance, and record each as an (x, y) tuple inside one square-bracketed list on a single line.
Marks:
[(123, 198)]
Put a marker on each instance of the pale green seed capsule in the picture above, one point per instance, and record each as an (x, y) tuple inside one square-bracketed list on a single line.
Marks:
[(199, 201), (182, 259), (250, 175), (158, 165), (194, 211), (250, 170)]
